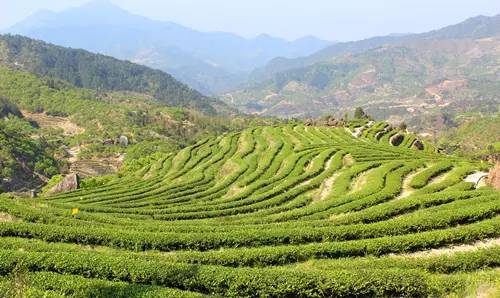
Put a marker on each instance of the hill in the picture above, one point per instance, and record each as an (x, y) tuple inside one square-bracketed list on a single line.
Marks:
[(281, 211), (454, 67), (472, 134), (24, 162), (192, 56), (88, 70), (473, 28), (90, 132)]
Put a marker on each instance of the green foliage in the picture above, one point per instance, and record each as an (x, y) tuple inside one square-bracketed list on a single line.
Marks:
[(269, 211), (103, 117), (99, 72), (8, 109), (21, 156), (359, 113), (52, 182), (474, 135)]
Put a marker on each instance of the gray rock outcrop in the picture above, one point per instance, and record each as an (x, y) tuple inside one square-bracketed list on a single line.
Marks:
[(396, 140), (68, 183)]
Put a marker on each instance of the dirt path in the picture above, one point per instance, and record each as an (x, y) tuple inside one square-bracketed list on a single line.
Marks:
[(359, 182), (326, 188), (4, 217), (439, 178), (454, 249), (309, 167), (406, 189), (327, 185)]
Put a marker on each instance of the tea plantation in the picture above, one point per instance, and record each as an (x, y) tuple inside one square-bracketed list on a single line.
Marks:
[(282, 211)]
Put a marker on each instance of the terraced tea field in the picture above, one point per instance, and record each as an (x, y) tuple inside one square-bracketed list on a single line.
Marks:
[(285, 211)]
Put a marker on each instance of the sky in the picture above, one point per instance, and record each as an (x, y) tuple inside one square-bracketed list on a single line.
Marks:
[(340, 20)]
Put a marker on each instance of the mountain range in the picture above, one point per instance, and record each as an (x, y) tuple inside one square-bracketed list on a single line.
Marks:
[(207, 61), (456, 67)]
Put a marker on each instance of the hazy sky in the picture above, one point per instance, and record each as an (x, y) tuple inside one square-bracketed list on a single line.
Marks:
[(328, 19)]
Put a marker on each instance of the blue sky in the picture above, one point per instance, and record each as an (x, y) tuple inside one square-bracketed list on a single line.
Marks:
[(329, 19)]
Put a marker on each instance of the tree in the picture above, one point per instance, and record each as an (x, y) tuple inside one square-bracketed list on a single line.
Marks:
[(359, 113)]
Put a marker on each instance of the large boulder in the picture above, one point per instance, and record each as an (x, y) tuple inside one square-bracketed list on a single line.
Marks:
[(379, 135), (396, 139), (332, 122), (494, 177), (68, 183), (309, 122), (123, 141), (418, 145)]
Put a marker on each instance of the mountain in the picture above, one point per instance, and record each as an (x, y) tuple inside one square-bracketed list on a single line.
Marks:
[(95, 71), (192, 56), (454, 67), (474, 28)]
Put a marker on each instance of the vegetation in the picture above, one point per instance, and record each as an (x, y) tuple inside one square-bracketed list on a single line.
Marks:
[(99, 119), (99, 72), (404, 76), (283, 210), (23, 161), (359, 113)]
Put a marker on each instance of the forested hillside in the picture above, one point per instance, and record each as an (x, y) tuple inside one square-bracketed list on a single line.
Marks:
[(88, 131), (24, 162), (99, 72)]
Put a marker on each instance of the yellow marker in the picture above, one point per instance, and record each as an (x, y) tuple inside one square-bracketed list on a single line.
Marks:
[(74, 211)]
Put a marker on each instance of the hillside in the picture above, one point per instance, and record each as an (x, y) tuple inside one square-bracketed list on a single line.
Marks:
[(474, 134), (89, 132), (191, 56), (94, 71), (277, 211), (453, 68), (473, 28), (24, 162)]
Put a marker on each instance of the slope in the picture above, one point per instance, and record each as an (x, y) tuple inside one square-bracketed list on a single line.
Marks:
[(454, 67), (88, 131), (24, 162), (94, 71), (247, 214)]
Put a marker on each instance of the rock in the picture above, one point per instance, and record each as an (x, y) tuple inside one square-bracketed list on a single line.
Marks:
[(396, 139), (123, 141), (494, 177), (379, 135), (418, 145), (332, 122), (69, 182)]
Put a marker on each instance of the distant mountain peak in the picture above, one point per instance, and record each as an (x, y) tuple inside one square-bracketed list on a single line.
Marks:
[(202, 59), (100, 5)]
